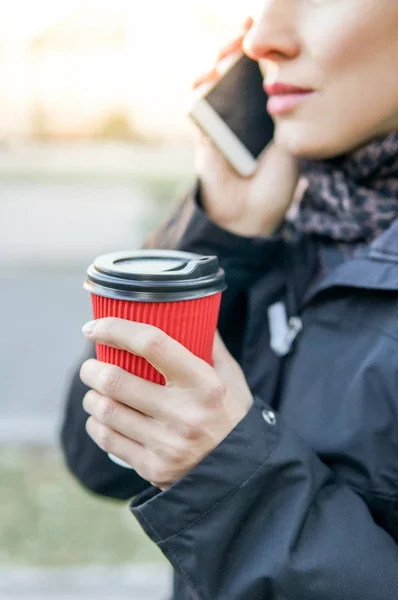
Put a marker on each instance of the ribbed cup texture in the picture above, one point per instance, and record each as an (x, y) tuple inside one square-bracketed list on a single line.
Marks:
[(191, 322)]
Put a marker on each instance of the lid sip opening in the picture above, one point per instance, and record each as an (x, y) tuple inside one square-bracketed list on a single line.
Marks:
[(155, 276)]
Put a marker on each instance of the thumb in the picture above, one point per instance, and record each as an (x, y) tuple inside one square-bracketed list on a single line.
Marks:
[(231, 374), (223, 361)]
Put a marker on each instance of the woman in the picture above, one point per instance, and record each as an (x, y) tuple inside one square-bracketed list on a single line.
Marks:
[(277, 477)]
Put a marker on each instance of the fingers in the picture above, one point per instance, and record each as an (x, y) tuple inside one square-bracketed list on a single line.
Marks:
[(206, 78), (113, 382), (162, 466), (235, 45), (227, 51), (126, 421), (220, 352), (247, 25), (113, 442), (223, 362), (168, 356)]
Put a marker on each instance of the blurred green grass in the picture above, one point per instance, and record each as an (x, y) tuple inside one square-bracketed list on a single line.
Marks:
[(47, 519)]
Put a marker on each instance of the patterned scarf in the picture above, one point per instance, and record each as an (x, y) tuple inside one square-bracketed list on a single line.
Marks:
[(353, 198)]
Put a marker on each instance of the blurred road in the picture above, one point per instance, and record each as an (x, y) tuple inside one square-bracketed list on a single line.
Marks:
[(63, 225), (49, 234), (136, 582), (78, 595), (41, 316)]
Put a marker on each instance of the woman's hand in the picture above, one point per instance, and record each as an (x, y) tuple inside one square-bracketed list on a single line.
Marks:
[(162, 432), (246, 206)]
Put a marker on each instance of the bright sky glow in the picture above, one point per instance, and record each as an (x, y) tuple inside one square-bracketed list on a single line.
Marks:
[(168, 43), (26, 18)]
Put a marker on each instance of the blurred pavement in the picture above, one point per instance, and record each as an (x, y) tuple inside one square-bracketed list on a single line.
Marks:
[(141, 582), (63, 225)]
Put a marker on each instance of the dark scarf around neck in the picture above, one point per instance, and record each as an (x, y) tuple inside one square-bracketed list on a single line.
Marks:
[(350, 199)]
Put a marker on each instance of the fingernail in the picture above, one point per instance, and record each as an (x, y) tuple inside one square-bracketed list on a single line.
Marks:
[(89, 328)]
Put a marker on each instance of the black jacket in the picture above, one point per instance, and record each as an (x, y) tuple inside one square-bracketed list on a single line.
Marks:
[(300, 502)]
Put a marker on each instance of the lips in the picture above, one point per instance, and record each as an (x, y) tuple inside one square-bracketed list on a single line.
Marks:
[(280, 89), (284, 98)]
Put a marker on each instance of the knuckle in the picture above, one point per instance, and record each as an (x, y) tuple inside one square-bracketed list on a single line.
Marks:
[(177, 450), (104, 327), (110, 380), (156, 471), (154, 340), (193, 427), (215, 394), (85, 368), (104, 438), (106, 411), (202, 380), (88, 401)]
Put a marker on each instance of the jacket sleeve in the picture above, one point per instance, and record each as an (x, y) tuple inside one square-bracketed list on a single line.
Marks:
[(263, 518), (243, 259)]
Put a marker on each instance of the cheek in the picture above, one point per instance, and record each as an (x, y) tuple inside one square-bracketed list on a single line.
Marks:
[(351, 33), (356, 76), (359, 57), (361, 91)]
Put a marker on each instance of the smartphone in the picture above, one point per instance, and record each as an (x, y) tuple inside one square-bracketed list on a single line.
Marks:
[(233, 114)]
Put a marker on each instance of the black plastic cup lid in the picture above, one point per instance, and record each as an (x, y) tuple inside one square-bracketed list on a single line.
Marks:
[(155, 276)]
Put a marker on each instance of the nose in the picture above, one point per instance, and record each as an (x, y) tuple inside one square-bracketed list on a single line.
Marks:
[(273, 35)]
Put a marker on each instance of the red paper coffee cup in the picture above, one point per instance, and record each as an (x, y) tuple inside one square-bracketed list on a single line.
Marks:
[(178, 292)]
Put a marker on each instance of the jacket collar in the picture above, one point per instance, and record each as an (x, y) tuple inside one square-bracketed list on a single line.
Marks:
[(385, 247), (376, 269)]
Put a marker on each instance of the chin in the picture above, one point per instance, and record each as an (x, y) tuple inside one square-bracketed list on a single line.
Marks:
[(304, 141)]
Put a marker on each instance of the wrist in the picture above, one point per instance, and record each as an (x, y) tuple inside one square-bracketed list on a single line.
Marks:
[(238, 221), (247, 226), (250, 228)]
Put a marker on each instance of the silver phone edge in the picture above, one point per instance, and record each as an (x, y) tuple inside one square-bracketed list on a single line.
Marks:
[(231, 147)]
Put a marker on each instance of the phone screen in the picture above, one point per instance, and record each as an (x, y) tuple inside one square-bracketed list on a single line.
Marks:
[(240, 100)]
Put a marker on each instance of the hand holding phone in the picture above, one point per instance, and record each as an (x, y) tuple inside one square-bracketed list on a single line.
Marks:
[(232, 112), (253, 204)]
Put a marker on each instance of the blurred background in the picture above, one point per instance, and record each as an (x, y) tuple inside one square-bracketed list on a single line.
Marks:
[(94, 148)]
